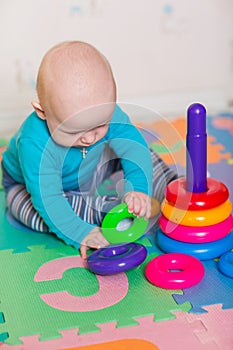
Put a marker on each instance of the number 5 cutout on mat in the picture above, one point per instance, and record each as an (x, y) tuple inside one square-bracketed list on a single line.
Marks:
[(65, 301)]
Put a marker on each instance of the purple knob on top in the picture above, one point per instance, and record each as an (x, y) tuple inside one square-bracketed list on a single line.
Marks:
[(196, 143)]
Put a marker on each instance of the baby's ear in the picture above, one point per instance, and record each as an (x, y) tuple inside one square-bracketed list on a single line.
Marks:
[(39, 110)]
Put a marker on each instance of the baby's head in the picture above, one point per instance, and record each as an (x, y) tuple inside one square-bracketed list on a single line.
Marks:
[(77, 93)]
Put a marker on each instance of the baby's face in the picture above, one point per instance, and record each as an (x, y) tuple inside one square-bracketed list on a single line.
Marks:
[(82, 129)]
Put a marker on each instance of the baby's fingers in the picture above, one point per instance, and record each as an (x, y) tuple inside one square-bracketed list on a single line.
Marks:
[(83, 251), (94, 240)]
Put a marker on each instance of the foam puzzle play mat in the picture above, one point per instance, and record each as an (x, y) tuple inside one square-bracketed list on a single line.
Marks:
[(49, 300)]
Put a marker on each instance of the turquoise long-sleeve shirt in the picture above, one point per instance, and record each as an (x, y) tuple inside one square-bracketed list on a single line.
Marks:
[(48, 169)]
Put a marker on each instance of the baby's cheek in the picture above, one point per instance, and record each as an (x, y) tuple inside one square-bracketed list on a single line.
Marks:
[(102, 133), (64, 139)]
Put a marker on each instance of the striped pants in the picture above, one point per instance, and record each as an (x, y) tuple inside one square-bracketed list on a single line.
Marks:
[(88, 205)]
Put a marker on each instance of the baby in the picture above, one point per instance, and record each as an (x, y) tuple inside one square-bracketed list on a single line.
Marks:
[(77, 137)]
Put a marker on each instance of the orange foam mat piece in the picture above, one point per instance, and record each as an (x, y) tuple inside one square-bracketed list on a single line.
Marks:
[(125, 344)]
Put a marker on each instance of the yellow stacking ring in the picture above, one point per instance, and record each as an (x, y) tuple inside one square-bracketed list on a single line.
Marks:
[(197, 218)]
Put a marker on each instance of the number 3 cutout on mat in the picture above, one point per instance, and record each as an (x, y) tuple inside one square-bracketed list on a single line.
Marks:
[(54, 270)]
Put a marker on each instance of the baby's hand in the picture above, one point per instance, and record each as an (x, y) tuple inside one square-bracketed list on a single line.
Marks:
[(138, 203), (94, 239)]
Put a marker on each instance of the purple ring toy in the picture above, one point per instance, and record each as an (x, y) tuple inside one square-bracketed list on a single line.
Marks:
[(116, 258)]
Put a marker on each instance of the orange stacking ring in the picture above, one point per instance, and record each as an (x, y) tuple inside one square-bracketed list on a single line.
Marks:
[(196, 218), (177, 195)]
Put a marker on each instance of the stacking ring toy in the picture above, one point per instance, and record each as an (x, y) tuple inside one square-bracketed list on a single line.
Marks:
[(225, 264), (197, 218), (196, 234), (159, 271), (112, 219), (177, 195), (202, 251), (116, 258)]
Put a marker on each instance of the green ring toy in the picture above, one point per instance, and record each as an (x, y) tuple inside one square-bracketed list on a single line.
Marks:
[(112, 219)]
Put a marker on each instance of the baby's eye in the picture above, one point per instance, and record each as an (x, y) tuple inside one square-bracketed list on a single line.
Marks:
[(71, 132), (102, 126)]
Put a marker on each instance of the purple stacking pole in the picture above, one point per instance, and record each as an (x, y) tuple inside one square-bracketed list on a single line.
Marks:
[(196, 157)]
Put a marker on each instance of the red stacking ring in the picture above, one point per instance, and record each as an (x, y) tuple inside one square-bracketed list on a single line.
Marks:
[(177, 195)]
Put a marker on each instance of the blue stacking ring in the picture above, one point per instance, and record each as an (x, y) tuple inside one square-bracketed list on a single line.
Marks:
[(225, 264), (202, 251), (116, 258)]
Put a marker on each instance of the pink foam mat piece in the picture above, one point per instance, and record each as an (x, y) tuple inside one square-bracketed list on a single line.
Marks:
[(64, 301), (218, 326), (178, 333)]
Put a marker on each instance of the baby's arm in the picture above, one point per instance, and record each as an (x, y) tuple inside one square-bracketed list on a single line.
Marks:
[(42, 173)]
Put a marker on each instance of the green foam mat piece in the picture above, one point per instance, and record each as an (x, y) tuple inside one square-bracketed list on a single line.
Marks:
[(25, 312)]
